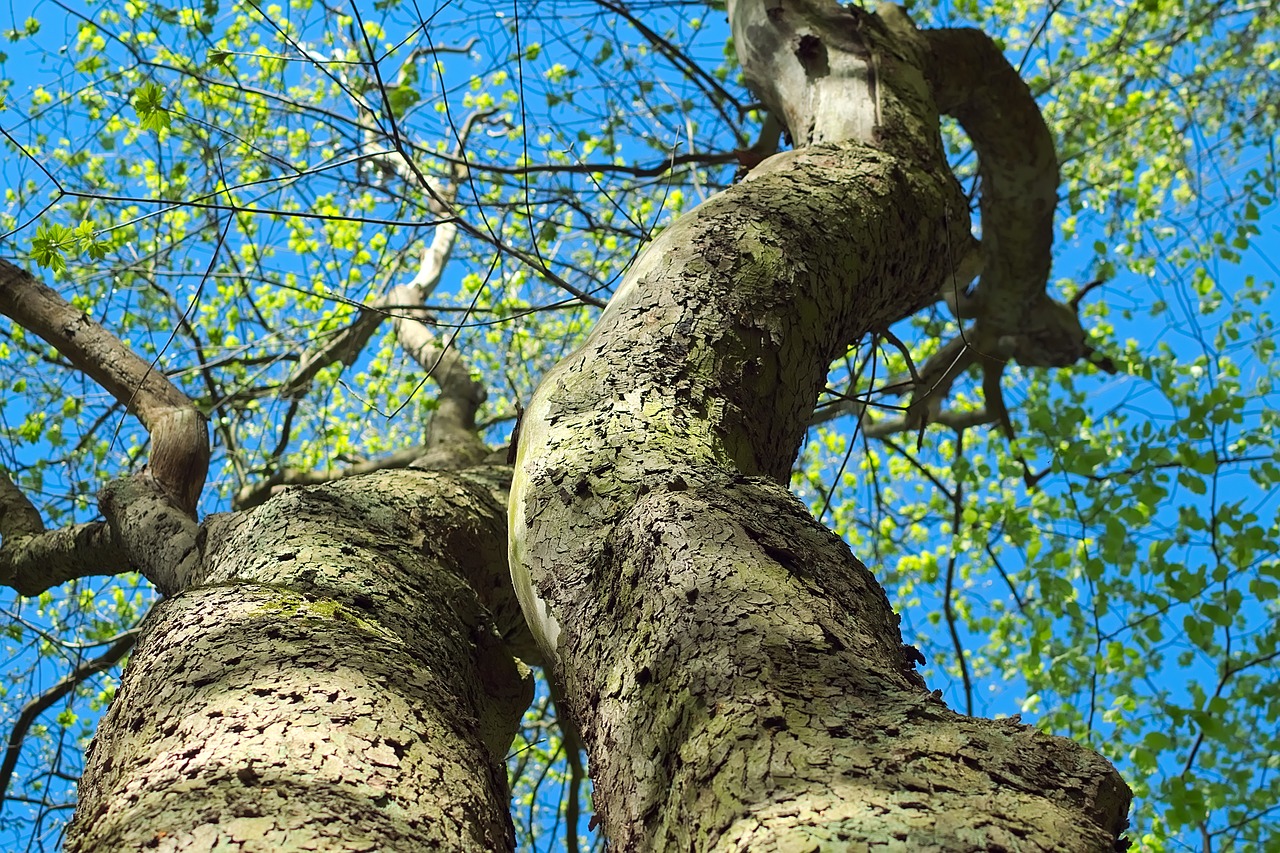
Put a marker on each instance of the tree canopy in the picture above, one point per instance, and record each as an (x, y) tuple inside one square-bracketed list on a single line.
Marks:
[(255, 198)]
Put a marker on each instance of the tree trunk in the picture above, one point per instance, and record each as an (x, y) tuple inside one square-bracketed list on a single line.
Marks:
[(329, 680), (739, 677)]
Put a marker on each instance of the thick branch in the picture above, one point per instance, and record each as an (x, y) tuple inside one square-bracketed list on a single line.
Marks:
[(179, 436), (699, 616), (160, 541), (972, 81), (33, 559)]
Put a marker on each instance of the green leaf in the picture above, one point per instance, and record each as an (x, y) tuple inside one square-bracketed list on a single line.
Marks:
[(148, 103), (49, 245)]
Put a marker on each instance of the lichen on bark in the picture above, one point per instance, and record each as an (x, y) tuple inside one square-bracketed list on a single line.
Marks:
[(739, 677), (332, 678)]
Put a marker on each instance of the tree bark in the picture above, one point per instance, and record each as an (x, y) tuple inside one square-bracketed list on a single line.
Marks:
[(329, 680), (739, 677)]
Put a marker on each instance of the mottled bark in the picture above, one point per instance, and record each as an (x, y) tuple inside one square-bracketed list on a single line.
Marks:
[(739, 676), (330, 680)]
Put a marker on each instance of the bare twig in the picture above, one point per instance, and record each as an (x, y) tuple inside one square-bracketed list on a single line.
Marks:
[(37, 706)]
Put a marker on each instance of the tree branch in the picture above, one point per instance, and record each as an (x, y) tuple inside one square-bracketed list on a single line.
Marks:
[(33, 559), (179, 457), (37, 706), (1015, 318)]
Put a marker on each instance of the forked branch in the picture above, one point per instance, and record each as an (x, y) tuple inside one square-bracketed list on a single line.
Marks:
[(32, 559)]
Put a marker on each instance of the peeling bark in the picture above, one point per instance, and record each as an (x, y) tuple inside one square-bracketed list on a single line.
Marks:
[(739, 677), (333, 669), (329, 680)]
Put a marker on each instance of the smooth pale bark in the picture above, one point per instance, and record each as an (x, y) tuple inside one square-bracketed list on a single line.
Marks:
[(738, 675), (330, 681)]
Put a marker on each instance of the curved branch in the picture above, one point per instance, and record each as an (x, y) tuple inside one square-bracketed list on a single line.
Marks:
[(972, 81), (1015, 319), (179, 435)]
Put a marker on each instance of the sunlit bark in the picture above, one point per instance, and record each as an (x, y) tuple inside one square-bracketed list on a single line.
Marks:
[(739, 677)]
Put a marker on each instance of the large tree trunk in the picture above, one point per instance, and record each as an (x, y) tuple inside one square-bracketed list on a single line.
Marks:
[(739, 677), (328, 679)]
